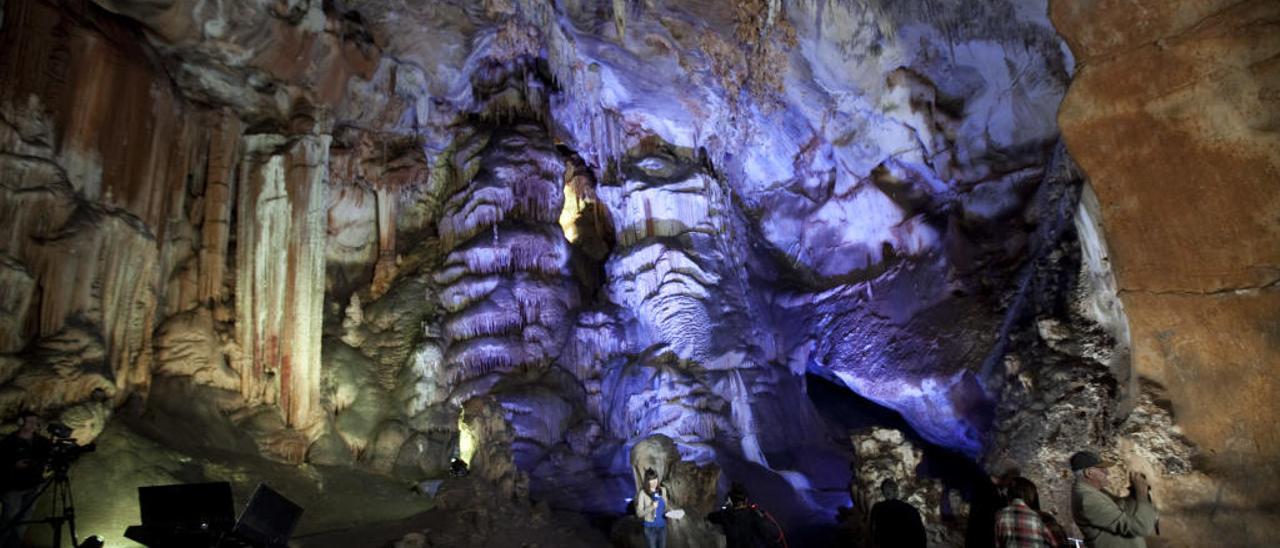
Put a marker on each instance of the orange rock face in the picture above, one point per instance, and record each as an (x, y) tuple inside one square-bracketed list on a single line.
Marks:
[(96, 138), (117, 195), (1174, 115)]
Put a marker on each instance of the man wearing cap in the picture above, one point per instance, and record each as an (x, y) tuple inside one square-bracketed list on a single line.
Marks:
[(1104, 520)]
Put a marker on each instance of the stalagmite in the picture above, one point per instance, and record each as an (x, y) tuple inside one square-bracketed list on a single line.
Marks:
[(506, 273)]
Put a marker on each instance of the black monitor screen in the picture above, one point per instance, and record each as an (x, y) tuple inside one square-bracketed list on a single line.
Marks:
[(188, 506), (269, 519)]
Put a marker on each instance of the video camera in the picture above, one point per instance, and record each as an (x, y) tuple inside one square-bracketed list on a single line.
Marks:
[(458, 468), (63, 448)]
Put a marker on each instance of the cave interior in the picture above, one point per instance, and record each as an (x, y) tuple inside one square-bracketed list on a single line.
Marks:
[(803, 246)]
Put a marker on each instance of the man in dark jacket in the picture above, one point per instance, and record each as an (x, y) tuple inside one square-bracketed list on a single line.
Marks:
[(743, 523), (895, 523), (22, 459)]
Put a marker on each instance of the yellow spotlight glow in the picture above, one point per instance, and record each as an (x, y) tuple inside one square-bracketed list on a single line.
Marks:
[(466, 440), (569, 212)]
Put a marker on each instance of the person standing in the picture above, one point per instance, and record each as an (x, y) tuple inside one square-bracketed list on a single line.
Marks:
[(652, 507), (988, 498), (1019, 525), (895, 523), (22, 458), (1108, 521)]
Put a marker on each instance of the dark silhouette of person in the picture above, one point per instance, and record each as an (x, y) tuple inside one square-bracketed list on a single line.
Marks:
[(22, 461), (894, 523), (988, 498), (744, 524)]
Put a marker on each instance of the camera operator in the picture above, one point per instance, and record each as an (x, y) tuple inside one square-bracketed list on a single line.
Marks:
[(744, 524), (22, 458)]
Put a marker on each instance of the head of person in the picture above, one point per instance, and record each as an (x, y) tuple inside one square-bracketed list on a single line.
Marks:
[(738, 495), (28, 423), (889, 489), (1024, 489), (651, 480), (1088, 467)]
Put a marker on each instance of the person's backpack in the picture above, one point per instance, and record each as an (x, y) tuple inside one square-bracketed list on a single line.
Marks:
[(771, 530)]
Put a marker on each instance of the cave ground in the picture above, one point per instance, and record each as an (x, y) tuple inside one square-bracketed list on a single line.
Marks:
[(343, 507)]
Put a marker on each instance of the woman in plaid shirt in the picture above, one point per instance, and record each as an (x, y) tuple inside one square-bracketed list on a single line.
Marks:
[(1019, 524)]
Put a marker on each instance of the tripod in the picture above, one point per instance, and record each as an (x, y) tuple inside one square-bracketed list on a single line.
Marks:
[(62, 508)]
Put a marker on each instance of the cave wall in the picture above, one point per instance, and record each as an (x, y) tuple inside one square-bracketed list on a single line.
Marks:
[(613, 221), (100, 153), (149, 233), (1173, 116)]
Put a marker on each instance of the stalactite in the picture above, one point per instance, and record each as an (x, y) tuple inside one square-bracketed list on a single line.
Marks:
[(485, 319), (300, 371), (516, 249), (128, 287), (474, 210), (219, 195), (262, 205), (384, 270), (462, 293)]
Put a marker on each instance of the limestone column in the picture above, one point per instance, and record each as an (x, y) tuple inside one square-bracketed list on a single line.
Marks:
[(280, 271), (385, 269), (219, 192), (304, 299)]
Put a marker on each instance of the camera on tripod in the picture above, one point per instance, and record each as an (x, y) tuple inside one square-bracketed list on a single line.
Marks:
[(63, 448), (62, 451)]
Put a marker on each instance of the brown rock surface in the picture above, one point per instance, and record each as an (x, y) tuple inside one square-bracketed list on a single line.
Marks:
[(93, 140), (1175, 116)]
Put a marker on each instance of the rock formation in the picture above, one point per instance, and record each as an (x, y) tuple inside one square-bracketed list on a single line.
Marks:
[(378, 234), (1174, 120)]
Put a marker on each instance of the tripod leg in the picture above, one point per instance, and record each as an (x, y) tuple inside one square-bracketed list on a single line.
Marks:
[(69, 511), (54, 519)]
